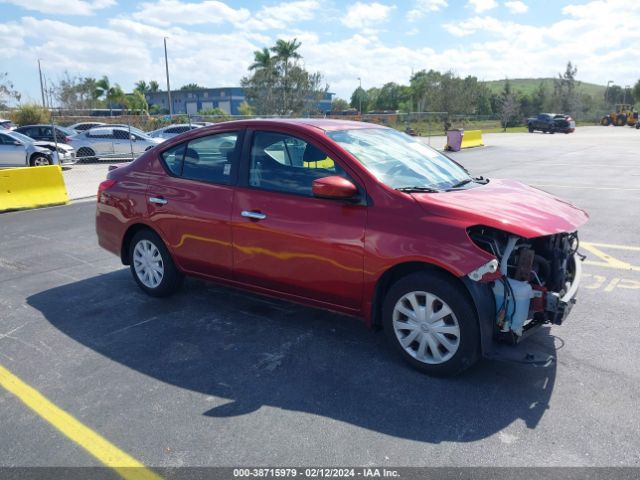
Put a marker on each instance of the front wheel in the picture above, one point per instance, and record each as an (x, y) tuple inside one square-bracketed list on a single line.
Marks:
[(530, 128), (152, 266), (40, 161), (432, 323)]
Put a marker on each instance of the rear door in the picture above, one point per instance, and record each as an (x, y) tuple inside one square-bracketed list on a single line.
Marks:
[(101, 141), (190, 195), (285, 239)]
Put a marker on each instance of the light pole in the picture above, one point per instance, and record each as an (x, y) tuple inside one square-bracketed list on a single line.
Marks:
[(360, 96), (626, 87), (606, 91), (41, 86), (166, 64)]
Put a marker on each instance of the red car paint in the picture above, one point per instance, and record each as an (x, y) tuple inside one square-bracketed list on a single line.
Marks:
[(317, 251)]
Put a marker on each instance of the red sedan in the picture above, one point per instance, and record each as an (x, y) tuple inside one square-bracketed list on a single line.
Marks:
[(350, 217)]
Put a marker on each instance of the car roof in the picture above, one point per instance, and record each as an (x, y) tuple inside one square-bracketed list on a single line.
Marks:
[(323, 124)]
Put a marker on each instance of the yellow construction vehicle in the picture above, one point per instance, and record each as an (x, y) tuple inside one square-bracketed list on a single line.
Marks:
[(624, 115)]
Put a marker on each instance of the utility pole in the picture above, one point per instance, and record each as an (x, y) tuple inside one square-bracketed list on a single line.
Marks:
[(166, 64), (41, 86), (606, 90), (360, 96)]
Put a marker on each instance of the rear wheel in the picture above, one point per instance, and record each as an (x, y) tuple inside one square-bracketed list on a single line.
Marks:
[(86, 154), (152, 266), (39, 161), (432, 323), (621, 121), (605, 121)]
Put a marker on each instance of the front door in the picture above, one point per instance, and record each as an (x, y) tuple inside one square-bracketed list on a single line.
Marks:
[(285, 239), (11, 154)]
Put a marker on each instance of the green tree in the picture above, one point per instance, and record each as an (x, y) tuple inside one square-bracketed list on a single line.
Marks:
[(246, 110), (359, 99), (564, 90), (7, 91), (539, 99), (339, 105), (192, 86), (286, 51), (137, 101), (278, 85), (142, 87), (112, 94), (636, 92), (154, 86)]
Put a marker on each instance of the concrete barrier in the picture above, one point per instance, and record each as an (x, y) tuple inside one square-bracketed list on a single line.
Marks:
[(31, 187), (472, 138)]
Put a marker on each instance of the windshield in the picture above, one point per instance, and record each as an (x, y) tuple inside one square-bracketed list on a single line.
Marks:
[(399, 160), (19, 136)]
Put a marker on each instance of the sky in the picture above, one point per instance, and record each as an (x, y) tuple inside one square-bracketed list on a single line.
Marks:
[(211, 42)]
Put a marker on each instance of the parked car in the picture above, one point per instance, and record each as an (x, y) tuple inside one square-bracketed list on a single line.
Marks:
[(110, 142), (17, 150), (66, 153), (352, 217), (564, 123), (82, 126), (551, 123), (171, 131), (6, 124), (47, 133)]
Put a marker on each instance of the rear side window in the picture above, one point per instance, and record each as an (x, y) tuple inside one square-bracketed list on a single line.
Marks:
[(208, 159)]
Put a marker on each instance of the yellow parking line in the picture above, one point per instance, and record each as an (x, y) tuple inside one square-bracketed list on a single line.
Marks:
[(98, 446), (613, 246)]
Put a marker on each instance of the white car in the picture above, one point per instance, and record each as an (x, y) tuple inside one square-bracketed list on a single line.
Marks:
[(111, 142), (6, 124), (82, 126), (17, 150), (66, 153), (171, 131)]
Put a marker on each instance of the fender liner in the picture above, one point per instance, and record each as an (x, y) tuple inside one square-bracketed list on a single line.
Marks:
[(485, 305)]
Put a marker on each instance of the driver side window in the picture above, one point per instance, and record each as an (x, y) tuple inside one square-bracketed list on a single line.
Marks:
[(285, 163)]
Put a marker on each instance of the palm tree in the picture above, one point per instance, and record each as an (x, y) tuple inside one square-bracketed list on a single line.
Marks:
[(142, 86), (154, 86), (263, 60), (111, 93), (285, 51)]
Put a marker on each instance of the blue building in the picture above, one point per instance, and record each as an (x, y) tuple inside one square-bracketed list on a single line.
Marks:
[(227, 99)]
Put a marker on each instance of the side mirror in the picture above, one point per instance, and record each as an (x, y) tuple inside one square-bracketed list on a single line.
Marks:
[(17, 143), (334, 187), (132, 138)]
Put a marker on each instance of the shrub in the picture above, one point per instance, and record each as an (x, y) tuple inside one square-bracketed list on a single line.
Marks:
[(30, 114)]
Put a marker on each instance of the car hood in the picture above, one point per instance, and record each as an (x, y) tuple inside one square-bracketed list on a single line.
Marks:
[(506, 205)]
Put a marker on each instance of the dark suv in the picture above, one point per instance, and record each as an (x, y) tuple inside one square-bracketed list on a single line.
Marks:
[(551, 123)]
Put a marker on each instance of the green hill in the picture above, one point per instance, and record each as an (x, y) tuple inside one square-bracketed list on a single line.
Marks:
[(529, 85)]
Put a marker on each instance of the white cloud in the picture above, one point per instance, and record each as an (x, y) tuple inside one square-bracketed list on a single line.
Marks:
[(63, 7), (281, 15), (170, 12), (473, 25), (424, 7), (363, 15), (516, 6), (480, 6)]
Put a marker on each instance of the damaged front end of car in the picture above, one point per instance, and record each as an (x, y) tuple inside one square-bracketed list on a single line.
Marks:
[(534, 281)]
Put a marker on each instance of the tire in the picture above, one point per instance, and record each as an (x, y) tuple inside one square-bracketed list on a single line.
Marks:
[(638, 126), (605, 121), (444, 347), (552, 131), (530, 128), (38, 160), (152, 266), (86, 154), (621, 121)]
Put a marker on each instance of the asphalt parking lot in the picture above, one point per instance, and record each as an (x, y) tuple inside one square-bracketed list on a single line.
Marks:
[(217, 377)]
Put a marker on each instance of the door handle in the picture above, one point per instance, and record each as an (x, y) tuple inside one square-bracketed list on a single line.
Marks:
[(158, 200), (253, 215)]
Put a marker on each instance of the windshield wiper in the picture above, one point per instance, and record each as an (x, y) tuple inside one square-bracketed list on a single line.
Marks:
[(418, 189), (462, 183)]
